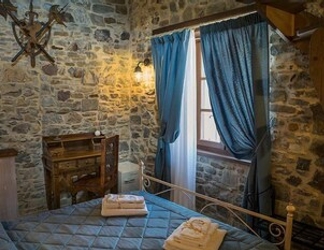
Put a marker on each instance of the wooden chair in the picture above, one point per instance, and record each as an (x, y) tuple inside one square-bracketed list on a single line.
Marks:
[(107, 178)]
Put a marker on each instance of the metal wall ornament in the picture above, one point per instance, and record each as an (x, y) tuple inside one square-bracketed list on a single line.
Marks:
[(32, 35)]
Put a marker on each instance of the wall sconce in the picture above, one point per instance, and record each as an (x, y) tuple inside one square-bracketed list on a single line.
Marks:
[(138, 73)]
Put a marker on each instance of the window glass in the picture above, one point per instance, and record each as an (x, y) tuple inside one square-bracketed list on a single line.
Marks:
[(205, 103), (208, 128), (202, 70)]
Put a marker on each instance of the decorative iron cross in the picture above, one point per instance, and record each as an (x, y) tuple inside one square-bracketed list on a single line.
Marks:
[(31, 35)]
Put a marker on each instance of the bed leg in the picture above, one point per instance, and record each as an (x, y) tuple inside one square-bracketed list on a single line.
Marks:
[(290, 216), (141, 181), (73, 198)]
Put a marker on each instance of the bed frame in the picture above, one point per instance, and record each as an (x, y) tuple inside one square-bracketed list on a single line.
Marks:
[(280, 230)]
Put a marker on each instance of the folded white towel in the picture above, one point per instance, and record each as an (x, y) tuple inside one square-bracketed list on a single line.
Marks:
[(214, 242), (117, 205), (196, 228), (132, 205), (124, 198), (200, 242), (110, 205), (123, 212)]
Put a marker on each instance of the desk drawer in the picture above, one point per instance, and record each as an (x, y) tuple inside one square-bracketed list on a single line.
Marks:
[(67, 165), (88, 162)]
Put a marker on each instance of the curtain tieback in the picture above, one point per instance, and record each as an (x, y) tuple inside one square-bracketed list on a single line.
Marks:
[(161, 143), (261, 141), (161, 140)]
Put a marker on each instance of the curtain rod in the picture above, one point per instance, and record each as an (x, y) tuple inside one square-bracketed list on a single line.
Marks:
[(207, 19)]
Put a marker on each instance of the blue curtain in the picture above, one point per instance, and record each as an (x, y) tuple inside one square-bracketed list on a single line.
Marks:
[(169, 59), (235, 56)]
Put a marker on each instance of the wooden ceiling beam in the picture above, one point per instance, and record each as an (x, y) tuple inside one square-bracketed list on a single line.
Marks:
[(291, 21)]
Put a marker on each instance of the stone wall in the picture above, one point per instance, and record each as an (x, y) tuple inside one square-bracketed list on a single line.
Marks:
[(297, 134), (88, 88), (91, 87), (297, 127)]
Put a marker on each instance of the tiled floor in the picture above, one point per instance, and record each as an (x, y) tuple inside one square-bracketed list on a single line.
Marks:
[(296, 246)]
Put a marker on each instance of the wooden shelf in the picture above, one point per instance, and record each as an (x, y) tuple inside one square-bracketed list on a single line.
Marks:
[(8, 187), (8, 152)]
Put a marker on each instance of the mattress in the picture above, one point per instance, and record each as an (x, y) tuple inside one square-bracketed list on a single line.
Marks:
[(81, 226)]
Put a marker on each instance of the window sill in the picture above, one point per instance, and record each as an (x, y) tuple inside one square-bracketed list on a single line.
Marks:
[(228, 157)]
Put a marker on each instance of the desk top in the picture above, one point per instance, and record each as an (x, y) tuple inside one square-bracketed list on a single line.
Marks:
[(71, 137), (72, 146), (75, 155)]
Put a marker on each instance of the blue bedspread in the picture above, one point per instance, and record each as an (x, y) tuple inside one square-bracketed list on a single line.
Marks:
[(81, 227)]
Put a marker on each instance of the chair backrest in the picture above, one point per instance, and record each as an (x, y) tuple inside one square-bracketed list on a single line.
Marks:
[(109, 161)]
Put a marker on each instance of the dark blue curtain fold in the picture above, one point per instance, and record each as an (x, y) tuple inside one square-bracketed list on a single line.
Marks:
[(235, 56), (169, 59)]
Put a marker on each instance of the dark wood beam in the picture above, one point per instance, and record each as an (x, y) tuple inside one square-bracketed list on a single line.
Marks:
[(206, 19), (245, 1)]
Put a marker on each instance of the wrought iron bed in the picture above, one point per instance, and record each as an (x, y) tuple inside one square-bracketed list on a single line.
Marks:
[(82, 226), (279, 230)]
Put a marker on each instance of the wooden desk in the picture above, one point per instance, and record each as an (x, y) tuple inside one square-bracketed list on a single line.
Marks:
[(66, 157)]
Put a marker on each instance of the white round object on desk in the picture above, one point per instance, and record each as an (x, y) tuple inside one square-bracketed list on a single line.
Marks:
[(97, 133)]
